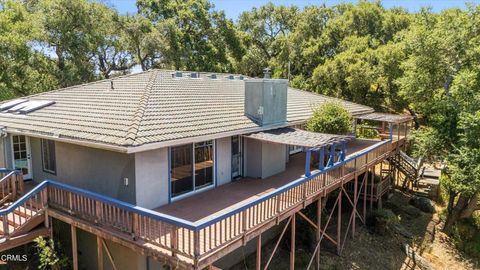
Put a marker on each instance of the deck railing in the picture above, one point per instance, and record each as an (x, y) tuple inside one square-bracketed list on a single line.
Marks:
[(195, 241)]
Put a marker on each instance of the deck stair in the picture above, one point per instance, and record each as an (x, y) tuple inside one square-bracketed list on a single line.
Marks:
[(408, 166), (21, 218)]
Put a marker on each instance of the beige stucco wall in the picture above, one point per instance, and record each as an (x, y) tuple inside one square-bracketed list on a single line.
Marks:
[(3, 163), (151, 169), (224, 160), (93, 169), (264, 159)]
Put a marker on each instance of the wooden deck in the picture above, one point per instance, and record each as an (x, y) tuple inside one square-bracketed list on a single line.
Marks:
[(224, 198), (198, 230)]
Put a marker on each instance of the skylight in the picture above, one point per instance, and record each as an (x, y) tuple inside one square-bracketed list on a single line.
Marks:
[(12, 103), (24, 106)]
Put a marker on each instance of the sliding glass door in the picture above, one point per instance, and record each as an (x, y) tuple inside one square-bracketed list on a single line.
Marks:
[(191, 167), (203, 164)]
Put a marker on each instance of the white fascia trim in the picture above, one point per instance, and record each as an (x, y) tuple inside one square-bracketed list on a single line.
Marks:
[(152, 146), (97, 145)]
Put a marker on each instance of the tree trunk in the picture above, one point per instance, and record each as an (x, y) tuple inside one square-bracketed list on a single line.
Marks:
[(455, 213), (415, 118), (471, 207)]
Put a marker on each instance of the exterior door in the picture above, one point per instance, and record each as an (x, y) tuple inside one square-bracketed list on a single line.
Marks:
[(21, 155), (236, 157)]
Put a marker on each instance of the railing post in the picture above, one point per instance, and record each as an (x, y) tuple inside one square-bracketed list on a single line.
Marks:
[(173, 239), (98, 210), (13, 180), (6, 233), (196, 245), (278, 203), (134, 226)]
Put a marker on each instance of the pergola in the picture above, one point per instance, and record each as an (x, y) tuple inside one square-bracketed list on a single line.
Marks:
[(397, 120), (312, 141)]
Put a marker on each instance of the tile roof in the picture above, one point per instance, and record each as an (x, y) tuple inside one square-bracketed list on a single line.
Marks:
[(152, 107)]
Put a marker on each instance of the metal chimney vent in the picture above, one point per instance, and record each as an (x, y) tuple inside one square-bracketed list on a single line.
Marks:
[(267, 73), (177, 74), (194, 75)]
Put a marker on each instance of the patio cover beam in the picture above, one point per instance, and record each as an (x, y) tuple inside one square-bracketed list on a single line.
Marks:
[(298, 137)]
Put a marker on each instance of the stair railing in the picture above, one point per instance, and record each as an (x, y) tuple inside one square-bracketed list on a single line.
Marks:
[(11, 185), (22, 210)]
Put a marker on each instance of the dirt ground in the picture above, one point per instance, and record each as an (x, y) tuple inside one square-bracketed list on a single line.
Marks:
[(372, 251)]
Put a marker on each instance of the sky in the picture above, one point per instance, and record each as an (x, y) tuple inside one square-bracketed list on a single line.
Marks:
[(233, 8)]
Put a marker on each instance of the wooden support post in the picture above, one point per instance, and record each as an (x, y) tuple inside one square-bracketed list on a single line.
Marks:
[(339, 221), (292, 244), (99, 253), (355, 194), (278, 243), (259, 252), (365, 181), (371, 186), (74, 247), (390, 128), (398, 132), (319, 228)]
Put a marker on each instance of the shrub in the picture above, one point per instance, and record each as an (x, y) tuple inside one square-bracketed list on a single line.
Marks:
[(332, 118), (49, 255)]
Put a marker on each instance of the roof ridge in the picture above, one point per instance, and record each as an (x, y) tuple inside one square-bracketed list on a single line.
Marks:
[(142, 106), (89, 83)]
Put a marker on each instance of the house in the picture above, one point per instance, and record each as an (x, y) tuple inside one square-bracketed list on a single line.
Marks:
[(180, 167)]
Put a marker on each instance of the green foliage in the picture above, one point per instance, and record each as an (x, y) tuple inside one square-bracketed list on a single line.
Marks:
[(466, 236), (426, 142), (387, 215), (367, 133), (49, 255), (330, 117)]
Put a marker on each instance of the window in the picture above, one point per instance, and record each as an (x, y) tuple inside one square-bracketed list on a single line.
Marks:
[(191, 167), (48, 156)]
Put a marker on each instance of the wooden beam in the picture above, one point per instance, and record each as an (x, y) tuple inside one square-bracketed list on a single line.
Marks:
[(292, 244), (74, 247), (319, 226), (278, 243), (365, 181), (258, 265), (302, 215), (23, 239), (110, 257), (99, 253), (371, 187), (355, 194), (339, 222)]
